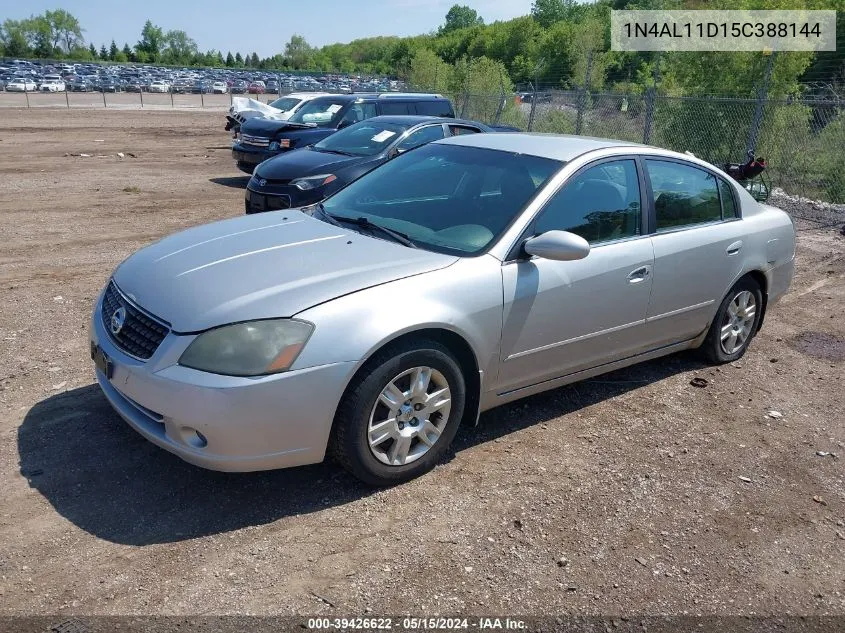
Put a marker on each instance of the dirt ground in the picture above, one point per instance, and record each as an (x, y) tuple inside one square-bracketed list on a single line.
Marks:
[(633, 493)]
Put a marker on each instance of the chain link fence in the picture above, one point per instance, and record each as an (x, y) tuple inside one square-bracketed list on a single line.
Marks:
[(803, 141)]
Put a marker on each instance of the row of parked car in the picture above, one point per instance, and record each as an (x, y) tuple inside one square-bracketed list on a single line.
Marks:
[(29, 76), (316, 143)]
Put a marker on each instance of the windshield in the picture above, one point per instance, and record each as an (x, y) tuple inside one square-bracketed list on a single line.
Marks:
[(319, 111), (285, 103), (361, 139), (448, 198)]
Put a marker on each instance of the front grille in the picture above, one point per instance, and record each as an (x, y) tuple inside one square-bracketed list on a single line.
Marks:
[(141, 333), (257, 141), (256, 202)]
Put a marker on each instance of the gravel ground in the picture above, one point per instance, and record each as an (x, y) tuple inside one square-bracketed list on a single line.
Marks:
[(633, 493)]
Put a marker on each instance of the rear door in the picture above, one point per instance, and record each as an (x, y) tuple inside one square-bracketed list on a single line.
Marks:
[(697, 242)]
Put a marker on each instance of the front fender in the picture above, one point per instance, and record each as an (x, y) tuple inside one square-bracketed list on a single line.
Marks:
[(464, 298)]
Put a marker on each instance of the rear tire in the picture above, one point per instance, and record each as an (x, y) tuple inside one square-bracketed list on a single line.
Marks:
[(399, 414), (735, 323)]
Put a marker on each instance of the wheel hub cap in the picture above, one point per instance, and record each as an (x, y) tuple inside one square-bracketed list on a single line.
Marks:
[(739, 321), (409, 416)]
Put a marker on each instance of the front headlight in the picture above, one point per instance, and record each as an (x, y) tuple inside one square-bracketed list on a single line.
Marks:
[(254, 348), (312, 182)]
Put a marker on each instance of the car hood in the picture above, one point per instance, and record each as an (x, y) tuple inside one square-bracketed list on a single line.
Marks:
[(261, 266), (268, 127), (304, 162)]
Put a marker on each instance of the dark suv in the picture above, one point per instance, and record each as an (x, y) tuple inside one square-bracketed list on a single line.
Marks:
[(260, 138)]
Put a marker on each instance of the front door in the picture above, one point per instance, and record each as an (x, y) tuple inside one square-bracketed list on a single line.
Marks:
[(562, 317)]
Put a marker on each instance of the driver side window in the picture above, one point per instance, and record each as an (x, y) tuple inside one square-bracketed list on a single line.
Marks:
[(600, 204)]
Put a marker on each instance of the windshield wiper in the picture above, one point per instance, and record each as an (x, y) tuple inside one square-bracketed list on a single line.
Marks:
[(325, 150), (328, 216), (297, 124), (364, 223)]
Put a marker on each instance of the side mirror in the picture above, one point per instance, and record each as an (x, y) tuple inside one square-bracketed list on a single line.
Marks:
[(343, 124), (561, 246)]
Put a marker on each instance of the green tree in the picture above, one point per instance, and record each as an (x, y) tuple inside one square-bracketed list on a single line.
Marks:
[(429, 72), (93, 50), (39, 35), (104, 53), (239, 60), (151, 42), (13, 39), (127, 53), (230, 61), (299, 52), (113, 51), (178, 48), (65, 29), (548, 12), (460, 17)]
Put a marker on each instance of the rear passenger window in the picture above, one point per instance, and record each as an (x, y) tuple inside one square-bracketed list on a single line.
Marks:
[(728, 202), (435, 108), (395, 108), (599, 204), (683, 195)]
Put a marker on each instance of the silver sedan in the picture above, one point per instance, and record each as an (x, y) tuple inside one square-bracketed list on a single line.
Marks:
[(457, 277)]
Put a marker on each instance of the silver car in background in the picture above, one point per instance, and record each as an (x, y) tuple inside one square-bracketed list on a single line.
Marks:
[(456, 277)]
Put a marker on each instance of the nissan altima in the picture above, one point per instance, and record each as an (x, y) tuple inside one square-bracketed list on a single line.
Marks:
[(465, 274)]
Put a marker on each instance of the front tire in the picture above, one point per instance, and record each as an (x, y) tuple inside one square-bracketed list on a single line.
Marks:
[(735, 323), (399, 414)]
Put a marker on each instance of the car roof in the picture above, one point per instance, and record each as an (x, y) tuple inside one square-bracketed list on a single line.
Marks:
[(376, 96), (409, 120), (562, 147)]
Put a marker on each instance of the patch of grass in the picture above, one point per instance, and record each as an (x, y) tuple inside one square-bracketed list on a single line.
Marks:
[(132, 189)]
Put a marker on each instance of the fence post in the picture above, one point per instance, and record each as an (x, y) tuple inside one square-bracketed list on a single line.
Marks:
[(762, 94), (26, 92), (141, 94), (650, 96), (105, 105), (533, 106), (500, 108), (501, 105), (202, 97), (67, 99), (582, 98), (170, 90)]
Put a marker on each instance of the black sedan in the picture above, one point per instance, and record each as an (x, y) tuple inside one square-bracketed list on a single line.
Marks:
[(308, 175)]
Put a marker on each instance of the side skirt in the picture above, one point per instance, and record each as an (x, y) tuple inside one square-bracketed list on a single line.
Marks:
[(492, 399)]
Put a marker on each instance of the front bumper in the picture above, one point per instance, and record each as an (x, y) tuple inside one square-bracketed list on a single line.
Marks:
[(246, 424), (280, 198), (250, 155)]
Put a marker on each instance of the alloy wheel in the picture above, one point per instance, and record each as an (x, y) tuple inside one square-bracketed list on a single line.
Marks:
[(738, 322), (409, 416)]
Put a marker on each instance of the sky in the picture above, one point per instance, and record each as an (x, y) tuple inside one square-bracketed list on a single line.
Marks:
[(262, 26)]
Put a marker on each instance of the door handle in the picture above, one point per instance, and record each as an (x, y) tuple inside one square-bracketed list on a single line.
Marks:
[(639, 274), (734, 248)]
